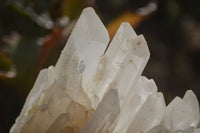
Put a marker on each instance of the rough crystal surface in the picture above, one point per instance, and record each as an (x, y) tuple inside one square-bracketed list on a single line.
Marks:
[(95, 89)]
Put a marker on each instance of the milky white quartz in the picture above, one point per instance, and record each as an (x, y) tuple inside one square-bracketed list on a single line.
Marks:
[(97, 87)]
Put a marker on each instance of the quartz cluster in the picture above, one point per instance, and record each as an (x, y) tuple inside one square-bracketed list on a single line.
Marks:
[(96, 87)]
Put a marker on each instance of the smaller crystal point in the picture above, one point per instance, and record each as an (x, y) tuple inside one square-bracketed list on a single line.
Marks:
[(149, 115), (123, 35), (126, 53), (181, 115), (191, 100), (141, 91)]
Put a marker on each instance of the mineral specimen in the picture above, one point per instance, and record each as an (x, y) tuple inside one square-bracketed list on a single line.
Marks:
[(95, 89)]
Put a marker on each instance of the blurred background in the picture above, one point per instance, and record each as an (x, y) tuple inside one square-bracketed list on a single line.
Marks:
[(33, 32)]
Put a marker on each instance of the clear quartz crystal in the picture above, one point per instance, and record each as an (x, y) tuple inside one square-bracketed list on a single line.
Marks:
[(97, 87)]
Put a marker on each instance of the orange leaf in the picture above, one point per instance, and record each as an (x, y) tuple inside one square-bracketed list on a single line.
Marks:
[(128, 16)]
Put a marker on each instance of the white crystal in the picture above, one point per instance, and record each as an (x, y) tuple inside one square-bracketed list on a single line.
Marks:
[(182, 113), (81, 56), (149, 115), (94, 90), (134, 102), (59, 89)]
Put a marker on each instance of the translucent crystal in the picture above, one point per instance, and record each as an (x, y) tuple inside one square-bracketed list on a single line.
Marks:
[(81, 56), (182, 113), (149, 115), (65, 88), (141, 91), (97, 87)]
